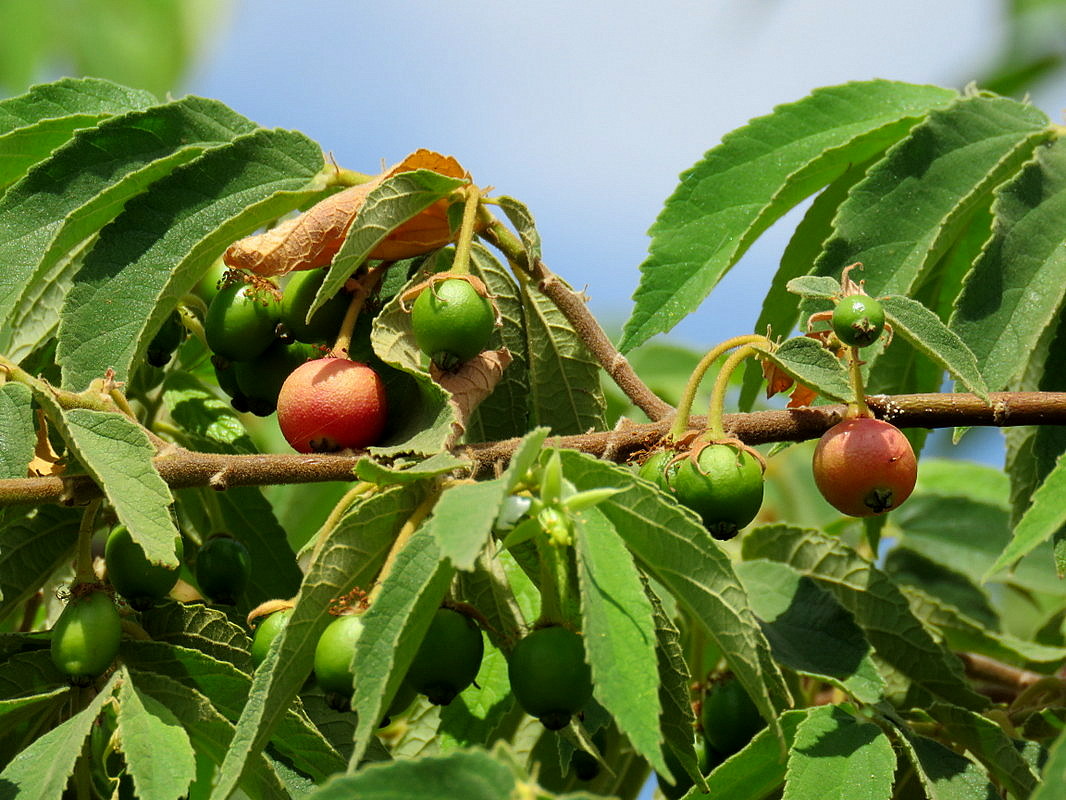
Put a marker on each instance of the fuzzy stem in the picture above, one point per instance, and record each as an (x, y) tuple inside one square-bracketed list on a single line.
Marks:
[(857, 386), (461, 262), (573, 306), (553, 581), (684, 408), (83, 565), (364, 289), (715, 426)]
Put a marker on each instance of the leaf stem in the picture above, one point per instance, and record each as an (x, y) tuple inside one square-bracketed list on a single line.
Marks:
[(684, 408), (573, 306)]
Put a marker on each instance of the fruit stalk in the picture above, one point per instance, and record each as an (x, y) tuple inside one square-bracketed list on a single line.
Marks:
[(461, 262), (365, 287), (858, 406), (410, 527), (83, 565)]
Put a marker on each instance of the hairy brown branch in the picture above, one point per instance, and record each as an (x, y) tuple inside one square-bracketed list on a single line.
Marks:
[(572, 306), (182, 468)]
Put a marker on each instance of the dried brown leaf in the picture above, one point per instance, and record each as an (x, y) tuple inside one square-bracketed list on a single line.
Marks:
[(471, 384), (46, 462), (314, 237)]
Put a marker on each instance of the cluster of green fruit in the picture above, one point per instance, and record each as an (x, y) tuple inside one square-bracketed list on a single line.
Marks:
[(547, 670), (85, 638)]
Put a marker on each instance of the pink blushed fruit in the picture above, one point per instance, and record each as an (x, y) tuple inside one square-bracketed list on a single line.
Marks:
[(331, 404)]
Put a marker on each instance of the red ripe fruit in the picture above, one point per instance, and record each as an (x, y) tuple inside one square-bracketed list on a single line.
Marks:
[(864, 467), (331, 404)]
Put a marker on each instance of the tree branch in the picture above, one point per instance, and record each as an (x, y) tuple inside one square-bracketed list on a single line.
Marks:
[(183, 468)]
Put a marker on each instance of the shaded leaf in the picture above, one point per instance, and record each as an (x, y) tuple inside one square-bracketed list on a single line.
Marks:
[(16, 430), (807, 361), (148, 728)]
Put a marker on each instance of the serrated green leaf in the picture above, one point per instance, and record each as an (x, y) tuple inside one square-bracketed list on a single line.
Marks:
[(208, 424), (29, 672), (504, 413), (908, 568), (473, 775), (1016, 288), (22, 717), (393, 628), (148, 728), (71, 195), (752, 178), (463, 519), (1054, 774), (156, 250), (209, 731), (877, 605), (387, 206), (43, 768), (228, 689), (474, 716), (818, 287), (806, 361), (199, 627), (757, 770), (809, 630), (564, 381), (522, 219), (489, 589), (350, 557), (35, 123), (943, 773), (438, 465), (835, 755), (923, 329), (987, 742), (619, 633), (16, 430), (32, 549), (1041, 521), (673, 547), (902, 217)]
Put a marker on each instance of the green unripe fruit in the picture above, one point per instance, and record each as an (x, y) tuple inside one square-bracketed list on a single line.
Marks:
[(136, 578), (260, 380), (267, 632), (166, 340), (658, 468), (211, 281), (223, 567), (729, 717), (726, 490), (86, 637), (858, 320), (240, 321), (299, 293), (451, 322), (549, 676), (333, 659), (449, 657)]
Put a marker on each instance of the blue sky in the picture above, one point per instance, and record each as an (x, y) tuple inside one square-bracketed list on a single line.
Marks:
[(585, 111)]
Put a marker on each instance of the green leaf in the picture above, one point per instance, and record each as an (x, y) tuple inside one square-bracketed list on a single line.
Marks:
[(987, 742), (35, 123), (923, 329), (32, 549), (198, 627), (148, 729), (471, 775), (904, 215), (1054, 774), (393, 628), (208, 424), (440, 464), (816, 287), (1045, 517), (82, 186), (564, 379), (673, 547), (156, 250), (752, 178), (619, 633), (16, 430), (809, 630), (877, 605), (209, 731), (463, 519), (116, 452), (836, 755), (1016, 288), (806, 361), (227, 687), (474, 717), (43, 769), (350, 557), (757, 770), (908, 568), (943, 774), (504, 413), (387, 206)]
